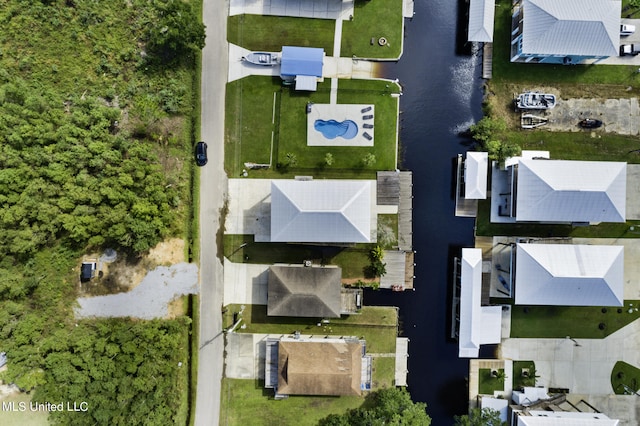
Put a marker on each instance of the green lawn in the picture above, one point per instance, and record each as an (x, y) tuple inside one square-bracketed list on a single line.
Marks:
[(377, 325), (518, 380), (270, 33), (373, 19), (247, 402), (575, 321), (352, 260), (383, 371), (16, 417), (625, 378), (487, 383), (260, 108), (604, 230)]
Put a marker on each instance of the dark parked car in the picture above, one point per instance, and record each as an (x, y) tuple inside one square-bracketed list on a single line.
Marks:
[(201, 154), (590, 123)]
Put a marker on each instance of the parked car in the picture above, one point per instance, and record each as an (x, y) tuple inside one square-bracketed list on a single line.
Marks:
[(201, 153), (590, 123), (627, 30), (629, 49)]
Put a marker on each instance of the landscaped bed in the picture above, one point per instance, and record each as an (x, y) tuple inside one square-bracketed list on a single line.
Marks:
[(625, 378), (488, 382), (529, 377), (574, 321)]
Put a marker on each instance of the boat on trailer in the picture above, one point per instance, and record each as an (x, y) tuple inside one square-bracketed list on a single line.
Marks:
[(262, 58), (530, 121), (535, 100)]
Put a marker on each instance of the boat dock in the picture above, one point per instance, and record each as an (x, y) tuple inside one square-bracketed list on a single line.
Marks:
[(402, 353), (396, 189), (464, 207), (487, 61)]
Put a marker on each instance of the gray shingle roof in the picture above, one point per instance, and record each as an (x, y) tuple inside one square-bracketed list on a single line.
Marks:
[(298, 291)]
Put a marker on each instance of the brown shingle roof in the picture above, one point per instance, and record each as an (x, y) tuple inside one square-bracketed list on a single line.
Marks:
[(319, 368)]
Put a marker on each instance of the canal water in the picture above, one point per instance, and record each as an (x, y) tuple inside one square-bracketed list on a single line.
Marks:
[(442, 97)]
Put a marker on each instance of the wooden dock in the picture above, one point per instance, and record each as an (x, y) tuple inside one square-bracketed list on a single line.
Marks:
[(405, 212), (487, 61)]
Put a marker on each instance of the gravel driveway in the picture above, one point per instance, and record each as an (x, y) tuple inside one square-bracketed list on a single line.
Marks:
[(150, 299)]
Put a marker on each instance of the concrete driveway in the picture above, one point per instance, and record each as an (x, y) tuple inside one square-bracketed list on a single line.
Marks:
[(321, 9), (245, 283), (250, 208)]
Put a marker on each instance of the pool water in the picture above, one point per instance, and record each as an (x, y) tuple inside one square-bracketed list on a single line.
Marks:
[(331, 129)]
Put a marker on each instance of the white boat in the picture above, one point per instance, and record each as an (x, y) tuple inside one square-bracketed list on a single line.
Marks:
[(262, 58), (535, 100), (530, 121)]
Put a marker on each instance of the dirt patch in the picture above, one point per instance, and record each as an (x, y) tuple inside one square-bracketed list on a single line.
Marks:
[(126, 273), (168, 252), (176, 308)]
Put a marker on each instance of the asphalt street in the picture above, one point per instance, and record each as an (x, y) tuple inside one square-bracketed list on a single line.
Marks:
[(213, 184)]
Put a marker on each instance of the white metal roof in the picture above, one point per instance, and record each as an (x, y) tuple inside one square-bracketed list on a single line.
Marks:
[(306, 82), (569, 275), (565, 418), (315, 211), (571, 27), (478, 324), (571, 191), (481, 16), (475, 175)]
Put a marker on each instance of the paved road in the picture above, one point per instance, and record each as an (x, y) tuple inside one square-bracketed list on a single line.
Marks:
[(213, 184)]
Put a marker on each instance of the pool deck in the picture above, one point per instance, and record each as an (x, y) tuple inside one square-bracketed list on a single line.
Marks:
[(341, 112)]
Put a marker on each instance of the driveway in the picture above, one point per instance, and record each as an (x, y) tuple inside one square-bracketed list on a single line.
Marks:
[(245, 283), (322, 9), (250, 208), (620, 116)]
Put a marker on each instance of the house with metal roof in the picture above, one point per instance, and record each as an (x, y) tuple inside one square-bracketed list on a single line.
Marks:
[(476, 166), (479, 325), (302, 66), (562, 418), (559, 191), (569, 275), (316, 366), (565, 32), (323, 211), (481, 17), (304, 291)]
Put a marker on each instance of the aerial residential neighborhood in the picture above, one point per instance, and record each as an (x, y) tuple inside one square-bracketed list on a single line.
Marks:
[(320, 212)]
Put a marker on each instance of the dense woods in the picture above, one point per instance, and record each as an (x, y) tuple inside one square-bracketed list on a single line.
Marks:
[(96, 131)]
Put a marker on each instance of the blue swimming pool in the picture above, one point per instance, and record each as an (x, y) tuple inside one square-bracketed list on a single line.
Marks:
[(331, 129)]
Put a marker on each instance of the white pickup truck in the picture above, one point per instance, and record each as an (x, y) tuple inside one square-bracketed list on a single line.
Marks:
[(629, 49)]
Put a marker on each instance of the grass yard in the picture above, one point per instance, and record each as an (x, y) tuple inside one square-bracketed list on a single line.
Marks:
[(373, 19), (576, 321), (15, 417), (352, 260), (377, 325), (247, 402), (518, 379), (487, 383), (252, 122), (383, 372), (625, 378), (270, 33)]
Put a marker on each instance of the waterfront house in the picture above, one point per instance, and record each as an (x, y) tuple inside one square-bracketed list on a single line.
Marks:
[(316, 366), (304, 291), (481, 17), (565, 32), (323, 211), (569, 275), (559, 191)]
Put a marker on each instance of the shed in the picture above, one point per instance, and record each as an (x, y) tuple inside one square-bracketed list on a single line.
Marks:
[(481, 16), (302, 65)]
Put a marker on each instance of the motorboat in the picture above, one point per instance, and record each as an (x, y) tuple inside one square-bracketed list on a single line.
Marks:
[(535, 100), (590, 123), (530, 121), (262, 58)]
